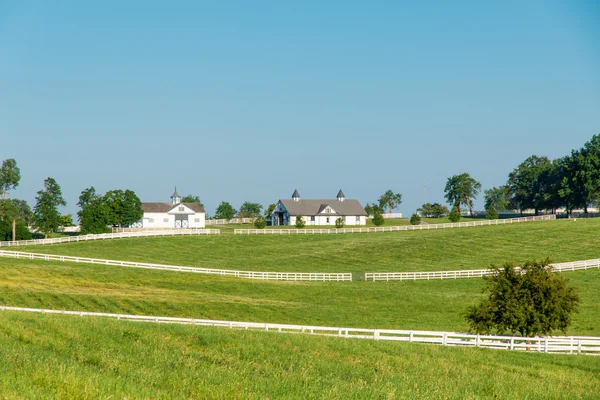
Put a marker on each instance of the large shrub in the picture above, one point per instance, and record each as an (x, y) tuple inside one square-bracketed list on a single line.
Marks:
[(378, 219), (300, 222), (415, 219), (491, 212), (339, 222), (260, 222), (454, 215)]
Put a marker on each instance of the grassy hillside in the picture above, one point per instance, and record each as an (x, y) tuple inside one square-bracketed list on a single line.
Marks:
[(77, 357), (464, 248), (434, 305)]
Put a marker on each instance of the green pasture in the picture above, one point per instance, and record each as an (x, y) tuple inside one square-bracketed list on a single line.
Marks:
[(445, 249), (71, 357), (426, 305)]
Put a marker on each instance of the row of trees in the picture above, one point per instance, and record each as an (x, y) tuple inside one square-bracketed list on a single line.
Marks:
[(114, 208)]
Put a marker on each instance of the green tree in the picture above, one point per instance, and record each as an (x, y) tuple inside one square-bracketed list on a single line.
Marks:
[(454, 215), (585, 178), (434, 210), (371, 209), (339, 222), (378, 219), (225, 211), (491, 212), (9, 213), (94, 214), (531, 301), (25, 212), (192, 199), (497, 197), (259, 222), (462, 189), (415, 219), (10, 175), (528, 183), (300, 221), (270, 209), (249, 210), (66, 220), (131, 211), (45, 213), (390, 199)]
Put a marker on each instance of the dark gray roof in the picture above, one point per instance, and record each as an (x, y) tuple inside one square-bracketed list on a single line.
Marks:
[(340, 194), (295, 194), (166, 207), (313, 207)]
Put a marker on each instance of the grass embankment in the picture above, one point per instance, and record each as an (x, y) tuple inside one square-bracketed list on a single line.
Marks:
[(433, 305), (448, 249), (77, 357)]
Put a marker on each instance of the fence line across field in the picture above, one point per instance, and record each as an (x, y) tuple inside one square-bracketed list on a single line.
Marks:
[(558, 344), (293, 276), (426, 227), (104, 236), (259, 275), (473, 273)]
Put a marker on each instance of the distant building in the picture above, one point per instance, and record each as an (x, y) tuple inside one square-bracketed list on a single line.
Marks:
[(319, 211), (174, 214)]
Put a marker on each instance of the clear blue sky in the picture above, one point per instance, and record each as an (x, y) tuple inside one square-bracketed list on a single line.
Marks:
[(244, 100)]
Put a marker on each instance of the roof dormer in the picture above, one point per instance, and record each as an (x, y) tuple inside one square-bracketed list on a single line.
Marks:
[(296, 195), (341, 196)]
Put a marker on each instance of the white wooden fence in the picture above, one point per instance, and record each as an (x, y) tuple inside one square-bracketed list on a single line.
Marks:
[(559, 344), (104, 236), (277, 276), (229, 221), (426, 227), (473, 273)]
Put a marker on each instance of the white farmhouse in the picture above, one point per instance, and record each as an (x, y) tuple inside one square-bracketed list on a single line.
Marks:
[(319, 212), (172, 215)]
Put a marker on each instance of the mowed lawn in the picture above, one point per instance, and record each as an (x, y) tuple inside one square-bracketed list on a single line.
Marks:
[(448, 249), (47, 356), (426, 305)]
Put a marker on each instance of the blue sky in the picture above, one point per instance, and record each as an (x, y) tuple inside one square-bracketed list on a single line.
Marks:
[(236, 101)]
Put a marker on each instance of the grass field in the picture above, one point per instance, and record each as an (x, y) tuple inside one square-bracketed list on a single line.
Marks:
[(77, 357), (82, 358), (428, 305), (448, 249)]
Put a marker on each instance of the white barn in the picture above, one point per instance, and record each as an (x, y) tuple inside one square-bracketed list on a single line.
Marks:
[(172, 215), (319, 211)]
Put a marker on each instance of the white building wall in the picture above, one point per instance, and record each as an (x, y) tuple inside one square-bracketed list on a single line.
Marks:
[(167, 221), (322, 220)]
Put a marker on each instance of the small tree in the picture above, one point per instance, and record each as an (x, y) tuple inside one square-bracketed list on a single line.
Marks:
[(491, 212), (270, 209), (249, 210), (339, 222), (192, 199), (45, 212), (371, 209), (260, 222), (415, 219), (439, 210), (378, 219), (300, 222), (454, 215), (225, 211), (531, 301), (390, 199)]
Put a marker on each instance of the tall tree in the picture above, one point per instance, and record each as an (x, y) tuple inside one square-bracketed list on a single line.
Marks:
[(390, 200), (249, 210), (528, 183), (10, 175), (131, 211), (225, 211), (462, 189), (45, 213), (94, 213), (586, 177), (25, 212), (192, 199), (497, 197)]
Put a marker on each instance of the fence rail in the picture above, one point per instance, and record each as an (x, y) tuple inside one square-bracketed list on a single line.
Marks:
[(426, 227), (473, 273), (104, 236), (229, 221), (559, 344), (276, 276)]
